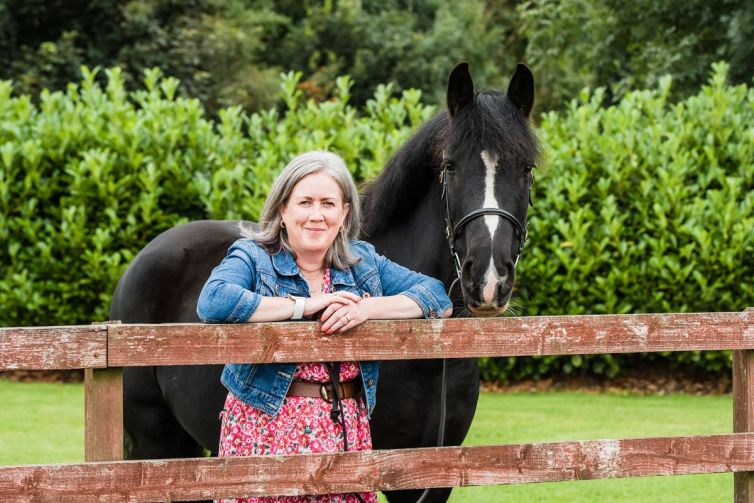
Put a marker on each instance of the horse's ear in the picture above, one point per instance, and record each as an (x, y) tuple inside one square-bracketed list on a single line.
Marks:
[(521, 89), (460, 88)]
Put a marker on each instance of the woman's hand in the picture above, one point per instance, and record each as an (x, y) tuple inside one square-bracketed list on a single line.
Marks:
[(338, 318), (326, 301)]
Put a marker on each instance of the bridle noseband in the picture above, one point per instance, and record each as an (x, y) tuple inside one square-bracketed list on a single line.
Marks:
[(452, 232)]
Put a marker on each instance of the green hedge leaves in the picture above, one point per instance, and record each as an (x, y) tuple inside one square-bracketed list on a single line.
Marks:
[(89, 176)]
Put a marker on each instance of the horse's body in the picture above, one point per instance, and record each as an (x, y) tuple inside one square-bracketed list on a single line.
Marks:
[(484, 147)]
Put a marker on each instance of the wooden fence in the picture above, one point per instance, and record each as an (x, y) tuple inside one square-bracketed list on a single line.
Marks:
[(103, 349)]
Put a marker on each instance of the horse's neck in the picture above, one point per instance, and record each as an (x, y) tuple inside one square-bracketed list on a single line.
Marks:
[(418, 240), (403, 209), (404, 180)]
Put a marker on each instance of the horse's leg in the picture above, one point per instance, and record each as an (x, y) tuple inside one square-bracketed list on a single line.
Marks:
[(440, 495), (408, 409), (152, 431), (196, 396)]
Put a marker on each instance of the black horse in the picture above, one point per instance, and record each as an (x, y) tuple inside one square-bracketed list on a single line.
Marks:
[(477, 155)]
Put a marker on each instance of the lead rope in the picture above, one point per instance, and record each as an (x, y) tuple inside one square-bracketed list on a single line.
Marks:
[(450, 234), (443, 410), (443, 402), (336, 408)]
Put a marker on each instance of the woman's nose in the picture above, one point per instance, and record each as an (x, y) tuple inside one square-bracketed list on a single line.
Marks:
[(316, 213)]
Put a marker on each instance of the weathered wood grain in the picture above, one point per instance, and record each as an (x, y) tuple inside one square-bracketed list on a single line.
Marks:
[(103, 413), (743, 416), (134, 345), (175, 480), (36, 348)]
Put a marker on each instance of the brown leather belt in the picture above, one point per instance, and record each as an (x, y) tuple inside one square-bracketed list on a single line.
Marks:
[(350, 389)]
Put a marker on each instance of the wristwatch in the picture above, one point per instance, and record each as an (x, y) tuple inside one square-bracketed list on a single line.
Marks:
[(298, 309)]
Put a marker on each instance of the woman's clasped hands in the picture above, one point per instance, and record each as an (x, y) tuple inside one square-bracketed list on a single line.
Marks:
[(341, 310)]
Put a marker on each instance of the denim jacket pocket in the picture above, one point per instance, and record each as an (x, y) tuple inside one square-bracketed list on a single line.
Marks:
[(268, 286), (370, 286)]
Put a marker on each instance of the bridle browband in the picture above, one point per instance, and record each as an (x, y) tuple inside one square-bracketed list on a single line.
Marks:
[(452, 232)]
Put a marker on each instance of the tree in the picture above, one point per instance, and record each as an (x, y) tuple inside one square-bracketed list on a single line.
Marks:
[(631, 45), (210, 45)]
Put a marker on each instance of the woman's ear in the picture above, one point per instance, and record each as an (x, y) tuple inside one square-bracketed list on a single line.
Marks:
[(346, 208)]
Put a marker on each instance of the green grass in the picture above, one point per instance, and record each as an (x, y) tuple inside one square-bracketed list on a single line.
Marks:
[(43, 423), (540, 417)]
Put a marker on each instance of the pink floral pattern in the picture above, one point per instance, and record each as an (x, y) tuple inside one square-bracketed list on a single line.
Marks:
[(303, 426)]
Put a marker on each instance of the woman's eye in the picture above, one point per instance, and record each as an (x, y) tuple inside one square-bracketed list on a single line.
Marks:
[(305, 203), (329, 204)]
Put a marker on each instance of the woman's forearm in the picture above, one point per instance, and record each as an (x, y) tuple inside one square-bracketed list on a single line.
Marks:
[(273, 309), (395, 307)]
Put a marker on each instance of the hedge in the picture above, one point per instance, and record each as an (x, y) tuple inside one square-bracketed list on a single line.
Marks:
[(89, 176), (645, 206)]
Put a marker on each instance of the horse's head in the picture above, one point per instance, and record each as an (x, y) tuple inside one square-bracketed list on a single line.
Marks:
[(487, 154)]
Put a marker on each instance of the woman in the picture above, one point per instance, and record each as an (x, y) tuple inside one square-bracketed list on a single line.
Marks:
[(305, 260)]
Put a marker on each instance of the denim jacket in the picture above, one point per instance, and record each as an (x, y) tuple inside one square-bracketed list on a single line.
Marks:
[(235, 288)]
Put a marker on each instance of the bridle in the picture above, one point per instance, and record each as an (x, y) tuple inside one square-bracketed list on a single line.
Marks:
[(452, 231)]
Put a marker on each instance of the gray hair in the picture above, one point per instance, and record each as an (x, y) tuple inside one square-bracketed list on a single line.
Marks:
[(271, 234)]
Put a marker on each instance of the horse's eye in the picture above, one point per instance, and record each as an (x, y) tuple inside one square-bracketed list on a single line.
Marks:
[(529, 167), (448, 165)]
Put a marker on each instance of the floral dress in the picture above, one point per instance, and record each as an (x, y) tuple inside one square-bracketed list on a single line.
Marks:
[(303, 426)]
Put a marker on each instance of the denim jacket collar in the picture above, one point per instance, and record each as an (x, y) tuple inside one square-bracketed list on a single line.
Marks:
[(285, 265), (344, 278)]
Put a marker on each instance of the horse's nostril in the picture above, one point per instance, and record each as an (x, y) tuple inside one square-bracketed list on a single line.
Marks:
[(467, 277), (501, 290)]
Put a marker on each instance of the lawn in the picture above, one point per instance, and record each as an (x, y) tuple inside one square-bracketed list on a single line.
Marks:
[(43, 423)]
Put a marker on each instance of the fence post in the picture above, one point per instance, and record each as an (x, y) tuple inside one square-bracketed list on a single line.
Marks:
[(743, 415), (103, 422)]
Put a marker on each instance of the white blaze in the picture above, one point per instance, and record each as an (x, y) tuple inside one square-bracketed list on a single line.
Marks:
[(492, 221)]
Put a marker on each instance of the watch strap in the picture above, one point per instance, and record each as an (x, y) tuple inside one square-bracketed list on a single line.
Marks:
[(298, 308)]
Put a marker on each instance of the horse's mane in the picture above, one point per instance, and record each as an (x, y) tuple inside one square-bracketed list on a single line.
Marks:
[(492, 121), (403, 180)]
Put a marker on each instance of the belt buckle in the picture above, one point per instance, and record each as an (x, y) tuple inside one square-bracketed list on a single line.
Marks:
[(323, 392)]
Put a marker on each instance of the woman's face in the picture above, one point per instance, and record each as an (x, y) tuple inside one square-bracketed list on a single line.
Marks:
[(314, 213)]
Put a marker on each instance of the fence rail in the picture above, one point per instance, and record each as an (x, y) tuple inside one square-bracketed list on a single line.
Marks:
[(59, 348), (132, 345), (104, 348), (196, 478)]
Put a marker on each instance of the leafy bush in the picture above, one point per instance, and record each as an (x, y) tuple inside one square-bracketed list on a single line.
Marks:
[(91, 175), (643, 207)]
